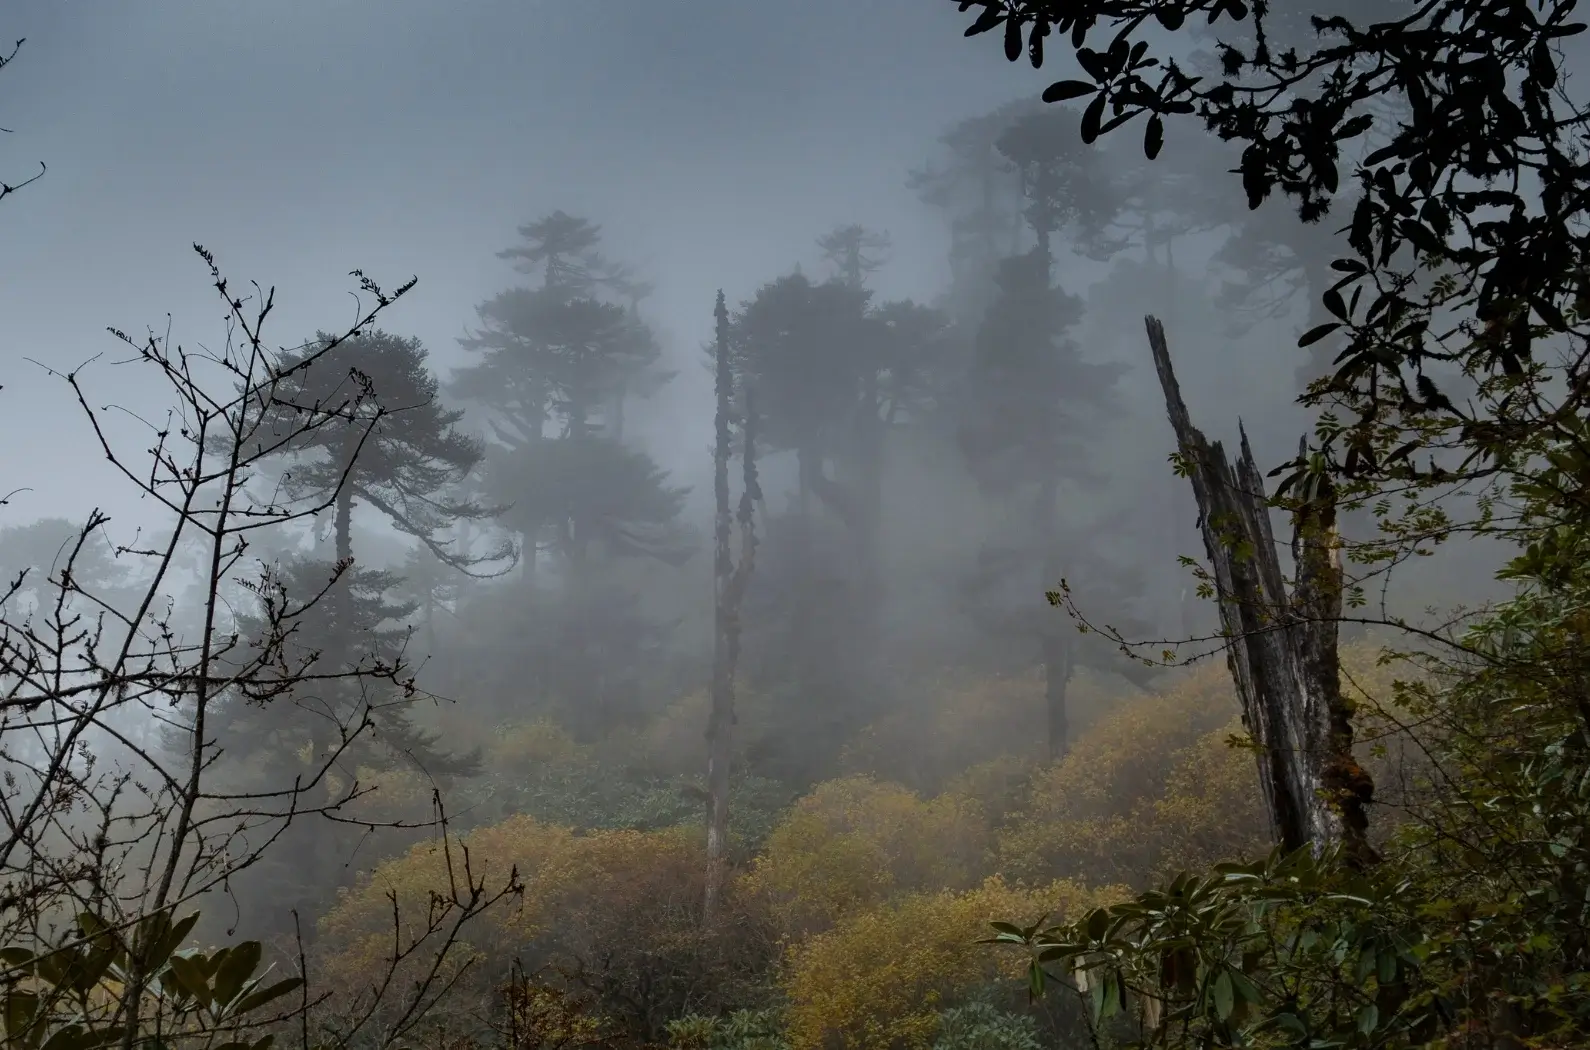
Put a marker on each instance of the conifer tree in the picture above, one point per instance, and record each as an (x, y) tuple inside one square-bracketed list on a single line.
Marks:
[(384, 441), (1029, 401), (553, 364), (395, 448), (336, 723), (553, 367)]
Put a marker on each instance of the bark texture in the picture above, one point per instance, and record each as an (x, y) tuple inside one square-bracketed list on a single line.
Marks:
[(1281, 647)]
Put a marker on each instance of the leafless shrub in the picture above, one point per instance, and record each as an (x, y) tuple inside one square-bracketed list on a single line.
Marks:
[(99, 814)]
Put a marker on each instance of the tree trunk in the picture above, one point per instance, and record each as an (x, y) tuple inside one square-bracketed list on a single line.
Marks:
[(868, 534), (730, 579), (1056, 676), (1055, 644), (314, 840), (1354, 525), (1281, 648), (338, 646)]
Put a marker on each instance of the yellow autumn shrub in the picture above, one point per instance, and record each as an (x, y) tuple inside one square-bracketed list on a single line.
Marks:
[(1155, 788), (617, 913), (393, 793), (526, 745), (877, 980), (958, 721), (1207, 808), (395, 903), (1000, 785), (672, 742), (855, 842), (1092, 815)]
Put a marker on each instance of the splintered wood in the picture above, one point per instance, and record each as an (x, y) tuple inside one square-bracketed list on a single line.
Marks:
[(1281, 647)]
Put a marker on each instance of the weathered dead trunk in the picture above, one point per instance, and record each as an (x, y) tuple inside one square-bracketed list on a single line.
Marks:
[(721, 715), (1281, 648), (730, 579)]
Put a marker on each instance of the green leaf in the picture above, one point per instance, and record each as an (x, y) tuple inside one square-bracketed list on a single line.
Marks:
[(91, 925), (20, 1009), (986, 20), (1387, 970), (1367, 959), (1093, 64), (1114, 995), (1318, 332), (173, 936), (1333, 302), (1246, 991), (1098, 923), (1035, 976), (1154, 137), (1091, 118), (255, 1000), (15, 956), (191, 976), (1292, 1023), (1066, 90), (238, 966), (52, 968), (1058, 951), (1368, 1018), (1222, 995), (1355, 127), (1421, 237)]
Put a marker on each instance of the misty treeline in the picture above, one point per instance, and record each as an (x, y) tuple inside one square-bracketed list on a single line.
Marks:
[(455, 719)]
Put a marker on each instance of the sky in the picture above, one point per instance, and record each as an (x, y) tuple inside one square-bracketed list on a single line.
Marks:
[(714, 140)]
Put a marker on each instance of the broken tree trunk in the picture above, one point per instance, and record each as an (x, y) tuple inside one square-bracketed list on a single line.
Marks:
[(1281, 648)]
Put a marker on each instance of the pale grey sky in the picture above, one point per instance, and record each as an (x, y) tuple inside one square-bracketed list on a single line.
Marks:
[(298, 139)]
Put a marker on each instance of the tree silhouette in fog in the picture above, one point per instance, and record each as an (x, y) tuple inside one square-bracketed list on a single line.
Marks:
[(395, 448), (552, 365)]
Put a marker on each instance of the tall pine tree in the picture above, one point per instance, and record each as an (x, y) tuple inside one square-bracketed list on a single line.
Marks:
[(553, 363), (1030, 400)]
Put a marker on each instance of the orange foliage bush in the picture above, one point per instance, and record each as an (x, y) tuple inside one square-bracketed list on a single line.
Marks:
[(853, 843), (877, 980)]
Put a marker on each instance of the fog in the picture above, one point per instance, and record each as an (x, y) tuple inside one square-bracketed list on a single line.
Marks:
[(713, 141), (895, 621)]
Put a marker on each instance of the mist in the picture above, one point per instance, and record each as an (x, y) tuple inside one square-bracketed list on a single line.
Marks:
[(573, 506)]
